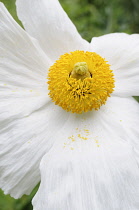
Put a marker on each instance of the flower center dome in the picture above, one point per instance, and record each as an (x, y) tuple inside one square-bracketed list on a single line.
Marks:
[(80, 81)]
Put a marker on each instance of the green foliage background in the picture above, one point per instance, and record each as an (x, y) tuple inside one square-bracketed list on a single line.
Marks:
[(92, 18)]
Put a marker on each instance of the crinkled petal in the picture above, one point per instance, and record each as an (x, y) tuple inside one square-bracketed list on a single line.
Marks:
[(92, 165), (27, 127), (49, 24), (28, 118), (122, 53), (104, 179), (22, 62)]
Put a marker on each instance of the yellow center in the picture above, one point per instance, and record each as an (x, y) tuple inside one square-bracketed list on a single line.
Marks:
[(80, 81)]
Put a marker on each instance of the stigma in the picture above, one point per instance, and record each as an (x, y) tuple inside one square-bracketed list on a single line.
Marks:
[(80, 71)]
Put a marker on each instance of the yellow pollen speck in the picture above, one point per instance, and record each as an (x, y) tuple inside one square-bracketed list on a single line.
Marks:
[(71, 138), (86, 131), (82, 137), (72, 148), (98, 145), (79, 135), (80, 81)]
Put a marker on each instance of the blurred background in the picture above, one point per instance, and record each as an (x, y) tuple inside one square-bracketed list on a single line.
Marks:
[(92, 18)]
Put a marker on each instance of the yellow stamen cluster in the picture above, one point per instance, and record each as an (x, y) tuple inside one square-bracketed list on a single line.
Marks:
[(80, 81)]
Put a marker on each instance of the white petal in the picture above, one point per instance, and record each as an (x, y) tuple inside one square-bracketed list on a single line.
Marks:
[(92, 165), (122, 52), (104, 179), (22, 61), (129, 121), (28, 119), (89, 177), (49, 24), (27, 127)]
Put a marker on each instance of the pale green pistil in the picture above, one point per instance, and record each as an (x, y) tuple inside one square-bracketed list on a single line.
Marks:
[(80, 71)]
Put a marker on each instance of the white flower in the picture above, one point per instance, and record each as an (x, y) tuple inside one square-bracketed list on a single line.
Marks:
[(87, 161)]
